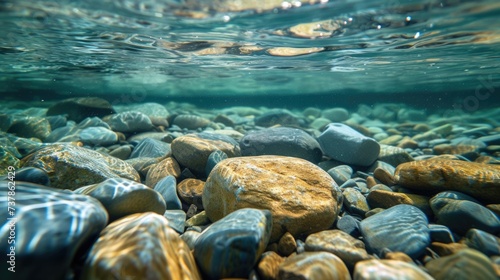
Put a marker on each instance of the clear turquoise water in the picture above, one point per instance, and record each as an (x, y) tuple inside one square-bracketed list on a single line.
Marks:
[(432, 53)]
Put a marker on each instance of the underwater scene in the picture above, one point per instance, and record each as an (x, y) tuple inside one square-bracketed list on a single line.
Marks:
[(263, 140)]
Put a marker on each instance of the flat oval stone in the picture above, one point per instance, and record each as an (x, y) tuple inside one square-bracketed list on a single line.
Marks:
[(335, 114), (460, 213), (52, 226), (230, 247), (122, 197), (98, 136), (193, 150), (481, 181), (301, 196), (162, 169), (80, 108), (482, 241), (140, 246), (149, 147), (167, 187), (394, 155), (342, 143), (401, 228), (71, 167), (464, 265), (388, 270), (191, 121), (274, 117), (387, 199), (313, 265), (130, 121), (349, 249), (283, 141)]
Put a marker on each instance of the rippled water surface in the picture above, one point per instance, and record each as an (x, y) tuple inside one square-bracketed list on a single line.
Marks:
[(222, 48)]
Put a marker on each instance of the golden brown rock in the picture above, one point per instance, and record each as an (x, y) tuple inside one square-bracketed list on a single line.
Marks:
[(386, 199), (71, 167), (287, 245), (190, 191), (301, 196), (446, 249), (268, 266), (324, 28), (389, 270), (463, 265), (384, 176), (162, 169), (481, 181), (454, 150), (313, 265), (140, 246)]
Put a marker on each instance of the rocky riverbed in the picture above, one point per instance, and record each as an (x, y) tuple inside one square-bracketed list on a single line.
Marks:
[(174, 191)]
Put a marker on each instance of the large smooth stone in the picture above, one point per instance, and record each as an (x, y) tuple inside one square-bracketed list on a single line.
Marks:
[(282, 141), (98, 136), (302, 198), (313, 266), (482, 241), (50, 227), (191, 121), (29, 127), (349, 249), (389, 270), (481, 181), (460, 213), (78, 109), (150, 147), (140, 246), (193, 150), (71, 167), (130, 121), (342, 143), (230, 247), (464, 265), (122, 197), (401, 228)]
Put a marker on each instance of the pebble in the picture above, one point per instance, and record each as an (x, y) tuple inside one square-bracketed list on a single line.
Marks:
[(62, 224), (32, 175), (283, 141), (335, 114), (122, 152), (277, 117), (147, 108), (393, 155), (342, 143), (214, 158), (268, 266), (405, 115), (389, 270), (440, 233), (193, 150), (162, 169), (287, 245), (140, 246), (387, 199), (168, 190), (460, 213), (190, 191), (481, 181), (122, 197), (230, 247), (349, 249), (176, 220), (31, 127), (482, 241), (341, 173), (464, 265), (355, 202), (301, 197), (71, 167), (191, 122), (149, 147), (349, 225), (98, 136), (319, 123), (401, 228), (313, 265), (131, 121), (80, 108)]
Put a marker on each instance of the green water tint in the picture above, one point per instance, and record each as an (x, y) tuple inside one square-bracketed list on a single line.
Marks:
[(425, 52)]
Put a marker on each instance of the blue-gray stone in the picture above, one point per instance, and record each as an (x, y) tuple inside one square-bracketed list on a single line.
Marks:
[(484, 242), (33, 175), (401, 228), (493, 139), (176, 219), (341, 173), (130, 122), (350, 225), (440, 233), (50, 229), (150, 147), (282, 141), (460, 212), (98, 136), (57, 121), (230, 247), (122, 197), (355, 202), (342, 143), (214, 158), (167, 187), (278, 116)]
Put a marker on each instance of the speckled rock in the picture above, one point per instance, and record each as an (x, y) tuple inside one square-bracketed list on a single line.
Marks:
[(461, 212), (191, 190), (481, 181), (349, 249), (389, 270), (167, 187), (268, 267), (122, 197), (130, 121), (230, 247), (140, 246), (60, 222), (29, 127), (191, 121), (342, 143), (98, 136), (193, 150), (402, 228), (283, 141), (313, 266), (150, 147), (464, 265), (70, 167), (80, 108), (162, 169), (302, 197)]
